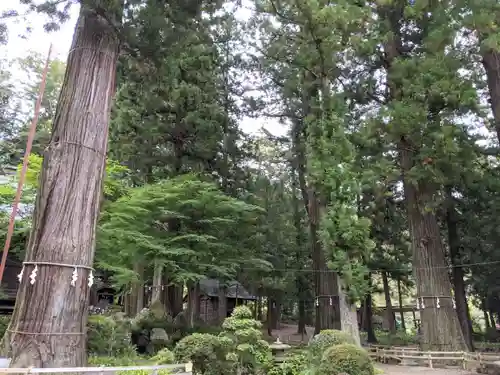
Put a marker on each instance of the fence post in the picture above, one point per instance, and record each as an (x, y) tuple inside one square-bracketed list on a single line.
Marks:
[(464, 360), (189, 367), (429, 357)]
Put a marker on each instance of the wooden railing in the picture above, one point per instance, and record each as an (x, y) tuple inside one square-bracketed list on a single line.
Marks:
[(430, 358), (186, 369)]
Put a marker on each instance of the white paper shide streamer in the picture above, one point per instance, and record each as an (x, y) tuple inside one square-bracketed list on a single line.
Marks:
[(91, 279), (33, 275), (74, 277), (20, 276)]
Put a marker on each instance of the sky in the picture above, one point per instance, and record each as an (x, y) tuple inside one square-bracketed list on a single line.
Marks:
[(39, 41)]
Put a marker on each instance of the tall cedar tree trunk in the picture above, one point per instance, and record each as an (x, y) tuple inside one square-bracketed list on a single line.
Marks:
[(174, 299), (400, 300), (458, 273), (325, 281), (491, 63), (368, 314), (389, 312), (50, 316), (441, 329)]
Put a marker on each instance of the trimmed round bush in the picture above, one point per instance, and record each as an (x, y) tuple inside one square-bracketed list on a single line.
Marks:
[(326, 339), (207, 353), (346, 359)]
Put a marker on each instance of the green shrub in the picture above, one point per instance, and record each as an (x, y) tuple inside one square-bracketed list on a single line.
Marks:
[(250, 354), (239, 348), (4, 324), (114, 361), (207, 353), (326, 339), (164, 357), (293, 365), (109, 336), (95, 361), (401, 338), (346, 359)]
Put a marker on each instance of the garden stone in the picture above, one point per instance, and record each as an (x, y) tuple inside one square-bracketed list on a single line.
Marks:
[(159, 335)]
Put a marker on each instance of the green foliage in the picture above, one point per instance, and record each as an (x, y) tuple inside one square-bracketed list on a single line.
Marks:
[(164, 357), (296, 364), (346, 359), (123, 361), (4, 324), (209, 227), (109, 336), (325, 339), (398, 339)]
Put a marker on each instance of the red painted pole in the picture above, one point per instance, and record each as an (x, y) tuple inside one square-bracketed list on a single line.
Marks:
[(22, 176)]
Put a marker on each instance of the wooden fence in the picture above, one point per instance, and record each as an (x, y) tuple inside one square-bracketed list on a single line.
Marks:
[(403, 355), (184, 369)]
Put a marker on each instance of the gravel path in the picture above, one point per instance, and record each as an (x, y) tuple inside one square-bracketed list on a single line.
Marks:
[(410, 370)]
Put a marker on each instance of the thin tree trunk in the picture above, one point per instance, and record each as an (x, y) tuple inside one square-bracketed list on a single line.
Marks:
[(368, 314), (400, 300), (52, 312), (300, 282), (269, 318), (388, 304), (138, 289), (492, 319), (485, 314), (193, 304), (222, 304), (458, 273), (157, 282)]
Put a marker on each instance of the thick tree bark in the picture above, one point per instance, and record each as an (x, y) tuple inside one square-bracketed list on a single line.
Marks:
[(400, 300), (458, 273), (326, 281), (174, 299), (389, 312), (50, 318), (441, 329)]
